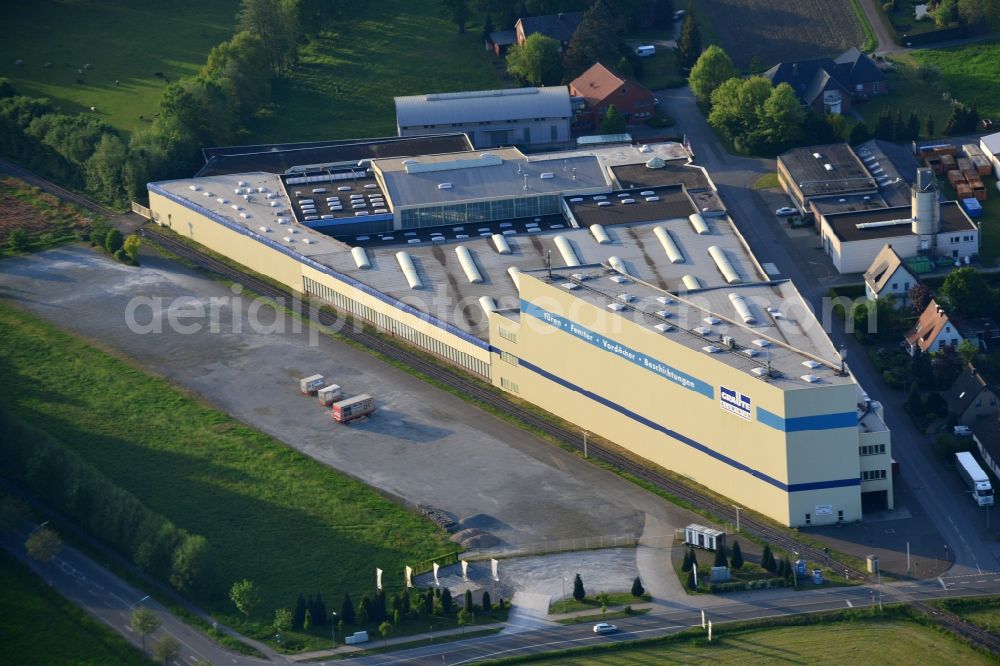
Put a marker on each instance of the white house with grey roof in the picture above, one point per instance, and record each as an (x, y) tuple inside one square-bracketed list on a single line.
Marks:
[(491, 118)]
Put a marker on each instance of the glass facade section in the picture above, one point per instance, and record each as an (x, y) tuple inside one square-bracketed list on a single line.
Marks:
[(478, 211)]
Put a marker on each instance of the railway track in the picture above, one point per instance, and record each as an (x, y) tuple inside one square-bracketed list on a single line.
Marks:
[(724, 512), (955, 624)]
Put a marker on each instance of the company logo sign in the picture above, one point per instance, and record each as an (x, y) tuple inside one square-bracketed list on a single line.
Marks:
[(735, 402)]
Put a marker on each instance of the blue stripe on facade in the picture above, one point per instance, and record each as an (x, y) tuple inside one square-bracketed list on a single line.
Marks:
[(659, 368), (803, 423), (795, 487), (374, 293)]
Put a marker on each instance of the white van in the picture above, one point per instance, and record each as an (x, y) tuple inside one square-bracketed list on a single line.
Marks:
[(645, 51)]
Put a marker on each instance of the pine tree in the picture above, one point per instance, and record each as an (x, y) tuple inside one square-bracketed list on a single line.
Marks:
[(578, 592), (307, 623), (467, 601), (929, 125), (767, 559), (320, 616), (913, 127), (446, 601), (972, 119), (689, 44), (686, 564), (954, 124), (487, 602), (720, 557), (859, 134), (377, 610), (428, 606), (299, 615), (736, 559), (488, 27), (364, 611), (347, 609), (883, 126), (898, 126), (637, 589)]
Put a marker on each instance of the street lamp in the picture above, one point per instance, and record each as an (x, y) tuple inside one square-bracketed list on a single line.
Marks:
[(333, 618), (737, 518), (37, 528), (584, 443)]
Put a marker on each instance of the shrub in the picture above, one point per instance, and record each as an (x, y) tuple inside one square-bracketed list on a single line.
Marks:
[(113, 241)]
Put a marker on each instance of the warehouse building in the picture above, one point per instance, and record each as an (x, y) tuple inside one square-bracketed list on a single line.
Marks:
[(491, 118), (626, 311)]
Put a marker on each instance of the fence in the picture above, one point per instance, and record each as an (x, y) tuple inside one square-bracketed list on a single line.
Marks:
[(139, 209), (556, 546)]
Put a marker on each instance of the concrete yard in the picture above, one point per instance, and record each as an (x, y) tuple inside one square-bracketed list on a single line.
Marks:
[(422, 445)]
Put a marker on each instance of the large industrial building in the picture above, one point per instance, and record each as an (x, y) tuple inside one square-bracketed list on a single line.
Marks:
[(607, 286)]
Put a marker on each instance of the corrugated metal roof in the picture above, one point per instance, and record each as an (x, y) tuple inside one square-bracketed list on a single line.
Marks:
[(482, 105)]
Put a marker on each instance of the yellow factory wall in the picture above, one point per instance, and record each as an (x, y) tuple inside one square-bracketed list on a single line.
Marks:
[(692, 418), (296, 275), (881, 461), (243, 249)]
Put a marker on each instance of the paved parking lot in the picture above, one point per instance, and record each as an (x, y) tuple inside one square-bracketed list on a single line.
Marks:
[(422, 445)]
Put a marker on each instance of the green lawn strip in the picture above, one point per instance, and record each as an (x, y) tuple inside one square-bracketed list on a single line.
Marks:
[(871, 41), (842, 637), (269, 513), (767, 181), (39, 626), (983, 612), (660, 71), (127, 42), (571, 605), (408, 645), (45, 219), (601, 617), (344, 83), (971, 73)]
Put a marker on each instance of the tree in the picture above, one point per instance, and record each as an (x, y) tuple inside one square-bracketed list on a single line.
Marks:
[(689, 43), (595, 40), (921, 369), (347, 609), (320, 614), (245, 597), (968, 351), (131, 246), (859, 134), (919, 296), (688, 560), (299, 615), (929, 125), (144, 622), (488, 27), (967, 292), (537, 60), (240, 66), (364, 611), (713, 68), (307, 621), (190, 560), (781, 117), (103, 169), (446, 601), (166, 649), (43, 544), (767, 559), (283, 620), (385, 629), (458, 11), (884, 125), (914, 404), (578, 592), (467, 600), (113, 241), (464, 617), (721, 560), (898, 126), (984, 14), (956, 121), (637, 589), (736, 559), (737, 103), (913, 127), (487, 602), (276, 24), (613, 121)]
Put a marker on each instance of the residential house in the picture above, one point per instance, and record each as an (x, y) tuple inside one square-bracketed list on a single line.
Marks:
[(500, 41), (934, 331), (972, 399), (984, 331), (987, 438), (559, 27), (888, 276), (599, 87), (831, 85)]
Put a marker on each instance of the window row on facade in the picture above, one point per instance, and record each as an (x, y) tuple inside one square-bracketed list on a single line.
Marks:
[(478, 211), (872, 449)]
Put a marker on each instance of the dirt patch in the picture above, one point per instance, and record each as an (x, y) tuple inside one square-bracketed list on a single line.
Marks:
[(38, 213), (765, 32)]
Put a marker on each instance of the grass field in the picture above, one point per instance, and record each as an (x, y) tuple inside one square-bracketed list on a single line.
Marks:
[(903, 18), (908, 93), (779, 30), (860, 642), (269, 513), (970, 73), (345, 81), (37, 626), (127, 41), (45, 219)]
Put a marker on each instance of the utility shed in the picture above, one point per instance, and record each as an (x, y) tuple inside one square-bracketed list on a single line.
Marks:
[(700, 536)]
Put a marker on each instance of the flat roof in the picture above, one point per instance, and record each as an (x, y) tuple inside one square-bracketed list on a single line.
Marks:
[(693, 177), (844, 225), (482, 106), (282, 157), (336, 199), (502, 173), (670, 202), (846, 173), (848, 203)]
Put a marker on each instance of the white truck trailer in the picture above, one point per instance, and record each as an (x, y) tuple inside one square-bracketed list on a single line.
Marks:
[(309, 385), (975, 478)]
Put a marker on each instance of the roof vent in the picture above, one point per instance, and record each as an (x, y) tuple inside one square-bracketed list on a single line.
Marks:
[(750, 352), (711, 349), (702, 330), (812, 379), (818, 155), (545, 175), (663, 328), (828, 166), (616, 307), (712, 321), (444, 186), (760, 372), (761, 342), (570, 286), (812, 365)]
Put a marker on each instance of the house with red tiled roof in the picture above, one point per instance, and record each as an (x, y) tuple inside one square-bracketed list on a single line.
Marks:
[(600, 87), (934, 331)]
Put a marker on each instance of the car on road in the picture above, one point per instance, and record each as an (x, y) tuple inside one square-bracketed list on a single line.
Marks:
[(962, 431), (605, 628), (785, 211)]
